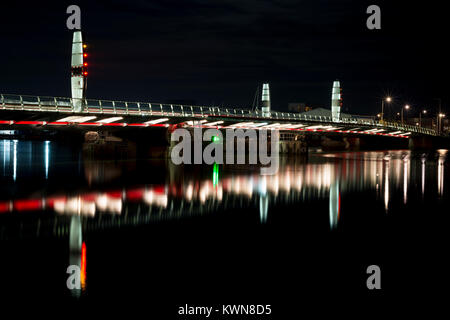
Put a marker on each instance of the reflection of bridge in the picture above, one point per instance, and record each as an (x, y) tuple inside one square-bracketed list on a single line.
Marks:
[(52, 112), (385, 173)]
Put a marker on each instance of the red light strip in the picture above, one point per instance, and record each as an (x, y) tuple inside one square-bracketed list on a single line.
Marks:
[(31, 122), (124, 124)]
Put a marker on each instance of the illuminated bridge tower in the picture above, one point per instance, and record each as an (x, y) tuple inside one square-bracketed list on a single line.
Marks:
[(79, 72), (336, 102), (265, 100)]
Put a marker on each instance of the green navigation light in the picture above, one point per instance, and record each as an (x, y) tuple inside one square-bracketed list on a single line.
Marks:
[(215, 174)]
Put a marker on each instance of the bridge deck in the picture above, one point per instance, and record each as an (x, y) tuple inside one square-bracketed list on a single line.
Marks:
[(46, 105)]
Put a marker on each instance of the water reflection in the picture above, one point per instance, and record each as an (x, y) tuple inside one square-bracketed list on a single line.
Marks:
[(77, 254), (441, 159), (423, 160), (405, 178), (15, 160), (53, 192), (335, 204), (47, 157), (386, 184), (325, 177)]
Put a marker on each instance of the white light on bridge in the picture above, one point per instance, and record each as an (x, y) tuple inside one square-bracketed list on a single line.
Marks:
[(259, 124), (195, 122), (84, 119), (213, 123), (77, 119), (284, 125), (68, 119), (240, 124), (110, 120), (273, 125), (297, 126), (157, 121)]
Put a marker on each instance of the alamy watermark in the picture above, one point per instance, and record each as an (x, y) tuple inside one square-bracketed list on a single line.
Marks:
[(374, 280), (374, 20), (73, 22), (257, 141)]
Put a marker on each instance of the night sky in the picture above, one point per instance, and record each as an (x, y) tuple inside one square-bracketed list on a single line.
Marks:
[(218, 52)]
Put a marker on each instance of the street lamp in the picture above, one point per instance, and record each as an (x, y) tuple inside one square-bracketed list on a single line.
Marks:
[(420, 116), (405, 108), (388, 100)]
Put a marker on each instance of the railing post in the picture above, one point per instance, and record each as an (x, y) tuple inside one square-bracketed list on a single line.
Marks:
[(162, 112), (114, 107), (126, 107), (39, 103), (192, 111), (151, 109), (100, 105), (56, 104), (21, 102), (3, 102), (201, 111), (139, 107), (182, 111)]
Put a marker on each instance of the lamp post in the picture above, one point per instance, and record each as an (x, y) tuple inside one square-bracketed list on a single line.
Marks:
[(420, 116), (387, 99), (405, 108)]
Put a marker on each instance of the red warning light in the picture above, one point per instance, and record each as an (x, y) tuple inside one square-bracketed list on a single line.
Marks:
[(85, 55), (85, 73), (85, 64)]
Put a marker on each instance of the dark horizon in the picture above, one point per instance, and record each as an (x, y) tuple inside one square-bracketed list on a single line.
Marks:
[(218, 53)]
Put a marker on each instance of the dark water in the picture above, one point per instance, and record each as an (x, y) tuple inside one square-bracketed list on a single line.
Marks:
[(150, 234)]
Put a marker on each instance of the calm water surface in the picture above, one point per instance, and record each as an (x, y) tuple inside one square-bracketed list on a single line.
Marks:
[(146, 228)]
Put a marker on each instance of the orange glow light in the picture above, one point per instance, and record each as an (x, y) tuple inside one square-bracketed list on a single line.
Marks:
[(83, 266)]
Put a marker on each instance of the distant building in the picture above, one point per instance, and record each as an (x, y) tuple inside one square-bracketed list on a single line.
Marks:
[(298, 107)]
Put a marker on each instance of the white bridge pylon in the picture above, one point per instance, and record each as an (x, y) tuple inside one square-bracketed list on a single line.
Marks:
[(78, 72)]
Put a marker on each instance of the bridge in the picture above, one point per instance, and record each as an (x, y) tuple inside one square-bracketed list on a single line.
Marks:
[(17, 111), (78, 112)]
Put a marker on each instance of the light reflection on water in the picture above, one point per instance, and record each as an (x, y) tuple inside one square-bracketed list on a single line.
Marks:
[(67, 196), (326, 177)]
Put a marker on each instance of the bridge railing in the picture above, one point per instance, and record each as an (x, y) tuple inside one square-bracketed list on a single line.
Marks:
[(63, 104)]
